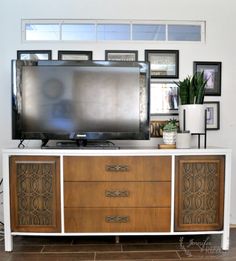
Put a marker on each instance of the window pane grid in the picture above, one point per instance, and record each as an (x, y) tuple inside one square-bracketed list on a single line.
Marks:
[(95, 31), (113, 32), (184, 33), (78, 32), (149, 32), (42, 32)]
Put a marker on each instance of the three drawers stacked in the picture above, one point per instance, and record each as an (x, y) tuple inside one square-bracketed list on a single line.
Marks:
[(117, 194)]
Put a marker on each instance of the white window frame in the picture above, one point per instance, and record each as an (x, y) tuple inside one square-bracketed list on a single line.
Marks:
[(202, 24)]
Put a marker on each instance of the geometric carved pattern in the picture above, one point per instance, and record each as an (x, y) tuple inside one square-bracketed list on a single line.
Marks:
[(34, 193), (199, 193)]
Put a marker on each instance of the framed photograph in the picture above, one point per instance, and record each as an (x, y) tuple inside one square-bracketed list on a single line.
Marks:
[(212, 72), (34, 55), (164, 98), (213, 115), (75, 55), (156, 128), (121, 55), (163, 63)]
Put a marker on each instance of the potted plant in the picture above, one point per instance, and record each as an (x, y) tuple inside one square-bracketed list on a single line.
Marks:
[(169, 130), (191, 95)]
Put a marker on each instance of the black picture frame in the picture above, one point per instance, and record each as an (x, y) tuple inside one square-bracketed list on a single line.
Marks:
[(34, 55), (121, 55), (164, 98), (156, 128), (75, 55), (163, 63), (212, 72), (213, 115)]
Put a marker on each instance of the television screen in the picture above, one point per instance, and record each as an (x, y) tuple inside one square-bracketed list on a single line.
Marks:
[(89, 100)]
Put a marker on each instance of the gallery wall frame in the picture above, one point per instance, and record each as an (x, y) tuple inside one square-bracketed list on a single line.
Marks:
[(213, 115), (156, 128), (75, 55), (163, 63), (164, 98), (212, 72), (34, 55), (121, 55)]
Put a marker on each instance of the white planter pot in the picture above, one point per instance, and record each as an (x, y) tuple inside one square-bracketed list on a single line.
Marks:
[(169, 137), (194, 118), (183, 140)]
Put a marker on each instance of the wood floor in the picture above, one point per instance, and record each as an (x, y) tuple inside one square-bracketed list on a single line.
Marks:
[(148, 248)]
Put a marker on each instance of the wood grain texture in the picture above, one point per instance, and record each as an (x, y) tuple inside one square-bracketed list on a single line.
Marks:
[(199, 193), (117, 194), (35, 193), (130, 168), (124, 219)]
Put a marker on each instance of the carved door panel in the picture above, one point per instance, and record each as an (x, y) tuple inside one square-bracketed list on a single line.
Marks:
[(199, 193), (35, 193)]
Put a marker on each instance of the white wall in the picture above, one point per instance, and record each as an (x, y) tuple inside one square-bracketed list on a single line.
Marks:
[(220, 46)]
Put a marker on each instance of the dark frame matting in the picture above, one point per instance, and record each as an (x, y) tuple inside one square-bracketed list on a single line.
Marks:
[(213, 115), (34, 54), (166, 69), (121, 55), (164, 98), (75, 55), (212, 72)]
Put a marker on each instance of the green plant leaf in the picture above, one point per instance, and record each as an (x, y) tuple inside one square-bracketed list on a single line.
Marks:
[(171, 125), (192, 89)]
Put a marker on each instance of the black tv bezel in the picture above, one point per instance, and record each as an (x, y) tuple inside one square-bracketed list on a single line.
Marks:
[(144, 120)]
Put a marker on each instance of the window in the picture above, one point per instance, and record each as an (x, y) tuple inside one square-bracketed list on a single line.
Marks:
[(113, 32), (78, 32), (89, 30), (48, 32), (184, 32), (149, 32)]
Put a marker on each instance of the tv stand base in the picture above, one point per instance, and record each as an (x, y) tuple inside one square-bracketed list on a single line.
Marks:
[(82, 144), (119, 192)]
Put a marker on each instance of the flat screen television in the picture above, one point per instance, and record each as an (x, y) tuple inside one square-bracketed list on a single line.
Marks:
[(80, 100)]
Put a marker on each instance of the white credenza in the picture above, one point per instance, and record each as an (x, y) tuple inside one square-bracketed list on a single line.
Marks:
[(116, 192)]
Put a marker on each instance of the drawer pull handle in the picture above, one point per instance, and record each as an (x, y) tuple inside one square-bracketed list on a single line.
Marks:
[(117, 219), (116, 193), (117, 168)]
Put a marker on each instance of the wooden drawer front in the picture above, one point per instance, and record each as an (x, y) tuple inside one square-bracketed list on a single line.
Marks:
[(117, 194), (117, 220), (117, 168)]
